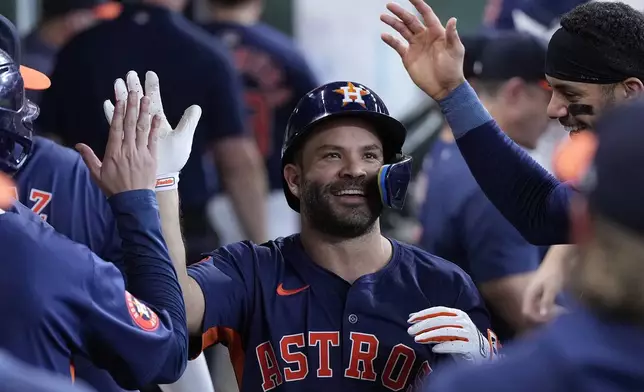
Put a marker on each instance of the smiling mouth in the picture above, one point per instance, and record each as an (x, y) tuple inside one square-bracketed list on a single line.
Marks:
[(575, 129), (350, 192)]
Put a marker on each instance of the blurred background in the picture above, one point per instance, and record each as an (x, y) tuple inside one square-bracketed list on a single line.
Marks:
[(320, 29)]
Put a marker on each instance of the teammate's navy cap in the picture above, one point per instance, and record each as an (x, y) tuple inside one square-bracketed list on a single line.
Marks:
[(103, 9), (474, 45), (506, 55)]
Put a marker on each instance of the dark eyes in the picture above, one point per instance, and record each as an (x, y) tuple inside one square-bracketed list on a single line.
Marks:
[(335, 155)]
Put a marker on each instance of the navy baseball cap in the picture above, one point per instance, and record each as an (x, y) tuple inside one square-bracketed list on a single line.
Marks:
[(510, 54), (474, 45), (103, 9)]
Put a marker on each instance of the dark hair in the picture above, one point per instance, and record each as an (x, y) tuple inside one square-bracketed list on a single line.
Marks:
[(614, 28)]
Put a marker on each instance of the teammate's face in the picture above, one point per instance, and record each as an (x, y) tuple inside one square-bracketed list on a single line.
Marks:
[(576, 105), (338, 189), (528, 119)]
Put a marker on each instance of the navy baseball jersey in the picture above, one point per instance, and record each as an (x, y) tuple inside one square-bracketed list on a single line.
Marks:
[(194, 68), (65, 301), (577, 352), (291, 324), (55, 183), (461, 225), (17, 376), (275, 77)]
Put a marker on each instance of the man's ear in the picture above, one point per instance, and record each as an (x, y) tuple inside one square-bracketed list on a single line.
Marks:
[(292, 175), (512, 89), (633, 87)]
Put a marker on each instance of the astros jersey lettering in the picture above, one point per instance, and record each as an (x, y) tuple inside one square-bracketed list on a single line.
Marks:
[(65, 300), (291, 325)]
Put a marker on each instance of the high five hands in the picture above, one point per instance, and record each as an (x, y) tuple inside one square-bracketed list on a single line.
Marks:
[(130, 160), (433, 54)]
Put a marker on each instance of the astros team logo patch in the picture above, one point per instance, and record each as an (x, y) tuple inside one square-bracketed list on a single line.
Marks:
[(143, 316), (352, 94)]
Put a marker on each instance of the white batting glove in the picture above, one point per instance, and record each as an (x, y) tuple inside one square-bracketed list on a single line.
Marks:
[(453, 332), (174, 145)]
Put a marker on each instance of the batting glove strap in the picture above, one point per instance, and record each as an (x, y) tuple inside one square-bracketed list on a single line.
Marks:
[(452, 332), (167, 182)]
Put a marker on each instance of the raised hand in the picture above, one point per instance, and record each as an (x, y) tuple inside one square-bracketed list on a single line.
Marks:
[(433, 54), (174, 145), (130, 155)]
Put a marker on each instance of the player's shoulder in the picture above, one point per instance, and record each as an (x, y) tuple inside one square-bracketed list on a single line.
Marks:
[(30, 242), (47, 152), (427, 266), (415, 256), (267, 253), (88, 40), (54, 167), (199, 43), (262, 37)]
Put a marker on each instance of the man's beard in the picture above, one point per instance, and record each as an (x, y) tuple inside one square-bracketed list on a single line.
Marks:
[(326, 215)]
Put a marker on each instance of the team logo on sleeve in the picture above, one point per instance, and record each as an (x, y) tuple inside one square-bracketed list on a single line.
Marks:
[(142, 315)]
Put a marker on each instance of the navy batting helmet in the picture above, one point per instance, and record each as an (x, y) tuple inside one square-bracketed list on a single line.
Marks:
[(17, 113), (351, 99)]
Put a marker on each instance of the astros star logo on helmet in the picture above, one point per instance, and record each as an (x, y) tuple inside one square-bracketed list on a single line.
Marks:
[(352, 94)]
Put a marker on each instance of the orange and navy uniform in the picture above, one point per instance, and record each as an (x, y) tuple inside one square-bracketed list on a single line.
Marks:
[(291, 325), (62, 300)]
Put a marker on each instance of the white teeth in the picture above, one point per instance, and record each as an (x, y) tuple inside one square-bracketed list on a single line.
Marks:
[(350, 192), (570, 129)]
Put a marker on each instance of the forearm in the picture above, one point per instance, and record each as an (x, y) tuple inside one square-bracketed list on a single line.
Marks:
[(248, 188), (171, 227), (150, 274), (525, 193)]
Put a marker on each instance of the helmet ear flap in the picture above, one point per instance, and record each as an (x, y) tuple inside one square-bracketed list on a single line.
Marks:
[(393, 181)]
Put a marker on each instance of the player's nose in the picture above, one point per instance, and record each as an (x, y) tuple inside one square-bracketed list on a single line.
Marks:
[(557, 107), (353, 167)]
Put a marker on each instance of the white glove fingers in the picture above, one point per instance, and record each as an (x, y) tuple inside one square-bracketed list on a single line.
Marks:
[(435, 311), (189, 121), (450, 348), (120, 90), (133, 84), (108, 109), (153, 91), (433, 323), (446, 334)]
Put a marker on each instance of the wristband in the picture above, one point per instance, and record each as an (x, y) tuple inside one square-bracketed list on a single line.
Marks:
[(167, 182)]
